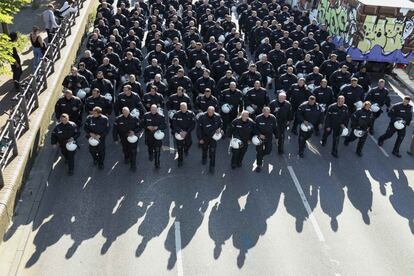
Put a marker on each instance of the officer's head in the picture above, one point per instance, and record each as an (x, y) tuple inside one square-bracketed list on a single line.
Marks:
[(264, 58), (367, 105), (240, 54), (127, 90), (96, 92), (252, 67), (277, 46), (266, 111), (221, 57), (324, 83), (348, 58), (157, 78), (245, 115), (316, 47), (281, 97), (406, 100), (206, 73), (333, 57), (153, 90), (229, 73), (354, 82), (340, 101), (210, 111), (289, 61), (301, 82), (105, 61), (131, 78), (68, 94), (180, 91), (295, 44), (64, 118), (81, 66), (74, 71), (344, 68), (154, 108), (154, 62), (87, 54), (289, 70), (183, 107), (316, 69), (257, 84), (312, 100), (381, 83), (232, 85), (207, 92), (96, 111), (125, 111)]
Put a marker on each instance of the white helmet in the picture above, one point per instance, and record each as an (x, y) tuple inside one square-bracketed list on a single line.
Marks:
[(132, 138), (124, 78), (256, 140), (245, 90), (236, 143), (269, 80), (343, 86), (323, 107), (221, 38), (178, 136), (375, 107), (81, 94), (199, 115), (171, 113), (250, 109), (218, 135), (159, 135), (359, 133), (234, 9), (71, 146), (399, 124), (311, 87), (135, 113), (93, 142), (306, 128), (226, 108), (160, 111), (301, 75), (345, 132), (108, 96), (358, 105)]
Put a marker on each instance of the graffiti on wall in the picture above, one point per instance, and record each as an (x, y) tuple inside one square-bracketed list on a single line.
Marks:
[(370, 37), (339, 19)]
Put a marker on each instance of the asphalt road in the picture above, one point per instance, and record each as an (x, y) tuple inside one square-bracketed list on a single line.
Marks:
[(311, 216)]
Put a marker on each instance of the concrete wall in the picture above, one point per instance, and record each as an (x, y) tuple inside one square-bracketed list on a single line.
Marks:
[(40, 120)]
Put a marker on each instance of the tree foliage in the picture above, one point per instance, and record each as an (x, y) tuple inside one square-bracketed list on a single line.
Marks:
[(8, 8)]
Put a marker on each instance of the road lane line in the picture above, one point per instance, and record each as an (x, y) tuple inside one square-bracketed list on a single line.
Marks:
[(376, 143), (306, 204), (178, 248)]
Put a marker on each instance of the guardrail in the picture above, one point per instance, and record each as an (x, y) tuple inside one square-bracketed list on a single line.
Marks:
[(18, 122)]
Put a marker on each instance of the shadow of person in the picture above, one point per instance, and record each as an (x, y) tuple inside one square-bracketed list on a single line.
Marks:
[(261, 204), (402, 198)]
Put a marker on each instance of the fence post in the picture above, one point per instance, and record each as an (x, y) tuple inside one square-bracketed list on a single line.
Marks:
[(24, 110), (12, 136), (51, 60), (34, 91), (43, 74)]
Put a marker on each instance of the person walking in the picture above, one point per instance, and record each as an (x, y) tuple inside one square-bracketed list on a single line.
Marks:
[(49, 20), (16, 66), (37, 45)]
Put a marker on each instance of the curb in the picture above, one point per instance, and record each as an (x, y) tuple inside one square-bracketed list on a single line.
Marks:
[(31, 142)]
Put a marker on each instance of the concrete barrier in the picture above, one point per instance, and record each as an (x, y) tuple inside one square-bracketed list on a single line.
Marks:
[(30, 143)]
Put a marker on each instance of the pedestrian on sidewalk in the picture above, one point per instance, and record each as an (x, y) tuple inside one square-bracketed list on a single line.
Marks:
[(17, 65), (49, 21), (37, 45), (68, 8)]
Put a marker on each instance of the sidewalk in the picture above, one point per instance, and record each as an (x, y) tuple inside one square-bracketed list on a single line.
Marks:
[(23, 23), (403, 77)]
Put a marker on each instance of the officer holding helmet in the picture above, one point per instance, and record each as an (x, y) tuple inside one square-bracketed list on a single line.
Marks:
[(266, 126), (126, 128), (400, 115), (65, 133)]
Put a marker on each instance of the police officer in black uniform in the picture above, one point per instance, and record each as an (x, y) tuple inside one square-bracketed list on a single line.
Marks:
[(378, 95), (256, 98), (65, 131), (96, 99), (242, 128), (129, 99), (353, 93), (310, 114), (183, 123), (151, 122), (71, 105), (404, 111), (97, 126), (336, 120), (233, 97), (205, 100), (207, 125), (282, 109), (152, 97), (266, 125), (296, 95), (361, 120), (124, 126)]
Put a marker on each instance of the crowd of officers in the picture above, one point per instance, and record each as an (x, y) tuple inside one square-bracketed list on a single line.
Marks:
[(188, 66)]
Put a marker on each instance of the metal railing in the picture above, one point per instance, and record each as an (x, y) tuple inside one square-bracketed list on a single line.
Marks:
[(28, 100)]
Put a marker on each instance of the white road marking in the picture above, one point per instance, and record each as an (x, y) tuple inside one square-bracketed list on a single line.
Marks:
[(381, 148), (178, 248), (306, 205)]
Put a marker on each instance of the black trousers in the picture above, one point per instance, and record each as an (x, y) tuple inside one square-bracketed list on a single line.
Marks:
[(129, 150), (154, 148), (98, 152), (375, 117), (227, 119), (17, 74), (281, 130), (361, 140), (390, 132), (262, 150), (183, 146), (209, 147), (69, 156), (238, 154), (303, 137), (336, 134)]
